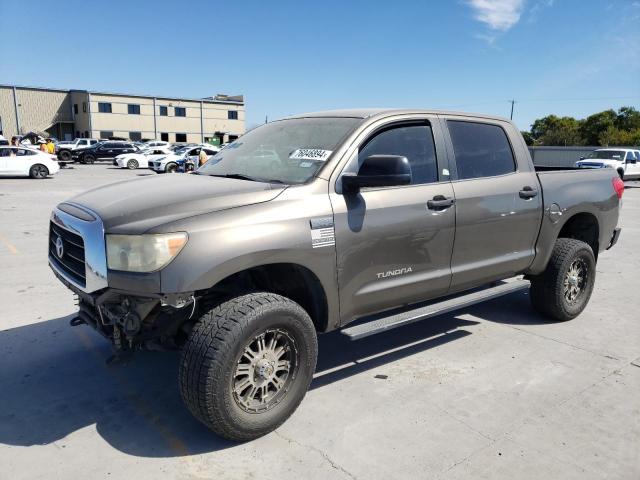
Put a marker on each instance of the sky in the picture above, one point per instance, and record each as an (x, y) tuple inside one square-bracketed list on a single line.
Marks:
[(563, 57)]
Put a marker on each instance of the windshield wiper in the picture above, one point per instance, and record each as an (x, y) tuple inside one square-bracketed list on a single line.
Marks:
[(237, 176)]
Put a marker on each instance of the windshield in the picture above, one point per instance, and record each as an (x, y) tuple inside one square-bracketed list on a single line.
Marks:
[(287, 151), (608, 154)]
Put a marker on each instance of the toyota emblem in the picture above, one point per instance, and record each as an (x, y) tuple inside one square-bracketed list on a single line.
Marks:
[(59, 247)]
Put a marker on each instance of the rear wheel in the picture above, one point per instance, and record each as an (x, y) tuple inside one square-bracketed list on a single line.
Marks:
[(38, 171), (172, 168), (64, 155), (563, 290), (132, 164), (247, 365)]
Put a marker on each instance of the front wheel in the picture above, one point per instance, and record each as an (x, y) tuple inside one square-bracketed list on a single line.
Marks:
[(90, 159), (38, 171), (172, 168), (247, 365), (132, 164), (64, 155), (563, 290)]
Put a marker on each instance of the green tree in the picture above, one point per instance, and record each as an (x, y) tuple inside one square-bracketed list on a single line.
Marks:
[(528, 138), (620, 138), (556, 131), (596, 125), (628, 119)]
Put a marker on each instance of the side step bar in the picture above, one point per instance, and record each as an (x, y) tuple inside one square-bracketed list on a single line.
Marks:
[(422, 313)]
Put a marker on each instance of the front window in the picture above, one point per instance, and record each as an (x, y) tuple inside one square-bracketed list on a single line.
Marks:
[(608, 154), (288, 151)]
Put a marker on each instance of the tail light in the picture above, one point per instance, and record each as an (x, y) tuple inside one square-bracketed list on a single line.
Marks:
[(618, 186)]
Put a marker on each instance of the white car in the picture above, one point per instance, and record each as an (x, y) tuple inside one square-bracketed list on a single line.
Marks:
[(141, 159), (26, 162), (185, 158), (156, 143), (626, 161)]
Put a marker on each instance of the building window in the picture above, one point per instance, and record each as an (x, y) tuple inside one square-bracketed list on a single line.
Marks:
[(102, 107), (107, 134), (181, 137), (164, 111), (133, 109), (135, 136), (86, 134), (164, 137), (180, 112), (75, 108), (78, 134), (84, 107), (232, 114)]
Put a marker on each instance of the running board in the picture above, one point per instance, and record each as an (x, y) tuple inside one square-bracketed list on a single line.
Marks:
[(422, 313)]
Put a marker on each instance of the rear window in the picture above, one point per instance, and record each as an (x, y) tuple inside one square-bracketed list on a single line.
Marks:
[(481, 149)]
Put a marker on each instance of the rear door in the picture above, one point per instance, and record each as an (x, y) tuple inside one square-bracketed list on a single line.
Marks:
[(498, 201)]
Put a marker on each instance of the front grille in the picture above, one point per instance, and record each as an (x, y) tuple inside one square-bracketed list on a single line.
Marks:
[(72, 261)]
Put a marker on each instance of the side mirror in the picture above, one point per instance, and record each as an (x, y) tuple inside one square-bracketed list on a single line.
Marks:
[(378, 171)]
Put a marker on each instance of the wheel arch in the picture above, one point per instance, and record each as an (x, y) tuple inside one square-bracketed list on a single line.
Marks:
[(291, 280), (583, 226)]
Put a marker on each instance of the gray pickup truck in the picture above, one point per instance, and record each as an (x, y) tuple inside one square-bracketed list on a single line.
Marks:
[(376, 217)]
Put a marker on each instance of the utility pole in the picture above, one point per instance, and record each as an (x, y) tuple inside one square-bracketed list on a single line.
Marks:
[(512, 103), (266, 119)]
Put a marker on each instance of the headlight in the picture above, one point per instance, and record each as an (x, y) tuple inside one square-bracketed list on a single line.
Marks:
[(143, 253)]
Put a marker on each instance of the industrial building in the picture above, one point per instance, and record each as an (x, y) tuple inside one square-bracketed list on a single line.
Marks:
[(68, 114)]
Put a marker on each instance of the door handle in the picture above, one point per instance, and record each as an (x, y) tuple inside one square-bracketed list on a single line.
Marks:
[(528, 192), (440, 202)]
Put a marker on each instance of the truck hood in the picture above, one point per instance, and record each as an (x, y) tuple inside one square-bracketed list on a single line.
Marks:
[(598, 162), (135, 206)]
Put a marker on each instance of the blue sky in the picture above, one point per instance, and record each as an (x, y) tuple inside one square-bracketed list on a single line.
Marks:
[(567, 57)]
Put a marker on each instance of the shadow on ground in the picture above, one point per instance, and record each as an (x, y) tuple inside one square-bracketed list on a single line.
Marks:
[(54, 381)]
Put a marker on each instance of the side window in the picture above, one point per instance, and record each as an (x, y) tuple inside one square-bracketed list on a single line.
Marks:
[(412, 141), (23, 153), (481, 149)]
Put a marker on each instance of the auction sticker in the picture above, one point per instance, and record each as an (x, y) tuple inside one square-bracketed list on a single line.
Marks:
[(310, 154)]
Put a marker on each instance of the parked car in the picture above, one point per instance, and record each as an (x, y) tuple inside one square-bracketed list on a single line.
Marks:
[(103, 151), (65, 149), (374, 213), (142, 158), (185, 159), (26, 162), (157, 143), (625, 161)]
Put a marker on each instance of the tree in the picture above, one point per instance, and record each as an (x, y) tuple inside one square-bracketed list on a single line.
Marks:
[(596, 125), (621, 138), (556, 131), (628, 119), (528, 138)]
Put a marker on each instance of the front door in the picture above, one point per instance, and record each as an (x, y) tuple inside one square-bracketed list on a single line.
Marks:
[(392, 249), (498, 204)]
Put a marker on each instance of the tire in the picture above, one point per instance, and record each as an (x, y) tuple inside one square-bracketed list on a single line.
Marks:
[(132, 164), (64, 155), (214, 353), (171, 168), (552, 292), (88, 158), (38, 171)]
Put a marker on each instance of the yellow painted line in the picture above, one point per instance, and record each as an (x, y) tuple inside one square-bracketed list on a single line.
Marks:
[(9, 245), (174, 443)]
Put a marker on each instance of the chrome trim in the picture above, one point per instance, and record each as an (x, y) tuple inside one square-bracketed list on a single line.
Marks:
[(92, 232)]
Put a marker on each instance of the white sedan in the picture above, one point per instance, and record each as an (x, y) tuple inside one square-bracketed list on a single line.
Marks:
[(183, 159), (141, 159), (26, 162)]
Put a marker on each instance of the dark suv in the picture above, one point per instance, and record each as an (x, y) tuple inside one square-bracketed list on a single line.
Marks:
[(103, 151)]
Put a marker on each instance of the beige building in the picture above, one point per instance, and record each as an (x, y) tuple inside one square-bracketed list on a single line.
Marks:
[(68, 114)]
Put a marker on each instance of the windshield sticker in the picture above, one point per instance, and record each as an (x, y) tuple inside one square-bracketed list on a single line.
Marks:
[(305, 164), (316, 154)]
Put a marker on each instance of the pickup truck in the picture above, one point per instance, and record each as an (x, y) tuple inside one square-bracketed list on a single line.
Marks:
[(372, 219), (625, 161), (64, 149)]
